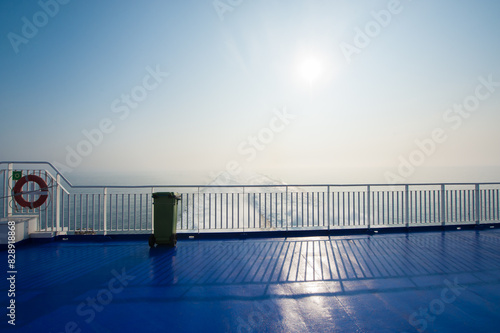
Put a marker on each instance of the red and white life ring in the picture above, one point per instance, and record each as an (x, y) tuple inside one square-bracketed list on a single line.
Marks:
[(17, 191)]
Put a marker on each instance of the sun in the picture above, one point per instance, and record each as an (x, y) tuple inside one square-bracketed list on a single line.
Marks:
[(311, 69)]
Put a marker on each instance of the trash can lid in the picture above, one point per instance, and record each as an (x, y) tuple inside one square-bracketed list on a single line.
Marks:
[(166, 194)]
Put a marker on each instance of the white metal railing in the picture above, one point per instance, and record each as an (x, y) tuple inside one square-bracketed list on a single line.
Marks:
[(241, 208)]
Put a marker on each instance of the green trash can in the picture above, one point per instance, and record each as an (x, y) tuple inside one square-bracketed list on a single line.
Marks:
[(165, 219)]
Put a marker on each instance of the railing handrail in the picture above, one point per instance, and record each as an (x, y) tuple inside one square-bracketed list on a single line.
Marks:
[(241, 185)]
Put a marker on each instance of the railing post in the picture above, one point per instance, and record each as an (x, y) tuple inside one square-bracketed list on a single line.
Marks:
[(58, 204), (444, 205), (8, 194), (477, 204), (407, 206), (105, 211), (369, 220)]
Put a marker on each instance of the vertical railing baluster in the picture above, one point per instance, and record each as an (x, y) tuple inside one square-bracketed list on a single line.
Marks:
[(467, 205), (383, 208), (135, 210), (418, 206), (497, 206), (424, 207), (248, 210), (328, 205), (286, 208), (122, 224), (86, 211), (265, 209), (58, 203), (128, 212), (407, 206), (471, 205), (180, 212), (272, 210), (427, 209), (434, 206), (477, 205), (81, 212), (198, 210), (323, 208), (99, 212), (238, 209), (482, 205), (378, 208), (9, 185), (123, 213), (192, 211), (307, 211), (69, 211), (485, 205), (318, 206), (322, 205), (93, 210), (489, 205), (253, 211), (343, 208), (296, 209), (116, 214), (352, 208), (221, 210), (391, 196), (368, 207), (338, 208), (147, 211), (456, 206), (61, 212), (398, 204), (349, 208), (278, 217), (302, 207), (442, 205), (449, 206), (297, 219), (74, 212), (358, 208), (140, 210), (462, 206)]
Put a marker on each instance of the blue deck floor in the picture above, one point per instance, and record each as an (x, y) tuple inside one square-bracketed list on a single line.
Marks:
[(418, 282)]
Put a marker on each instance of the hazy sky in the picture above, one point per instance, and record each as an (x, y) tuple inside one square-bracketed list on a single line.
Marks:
[(304, 91)]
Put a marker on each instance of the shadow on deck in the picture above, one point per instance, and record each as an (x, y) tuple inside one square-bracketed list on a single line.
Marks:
[(434, 281)]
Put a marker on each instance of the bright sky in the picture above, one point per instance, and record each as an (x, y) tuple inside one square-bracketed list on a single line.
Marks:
[(303, 91)]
